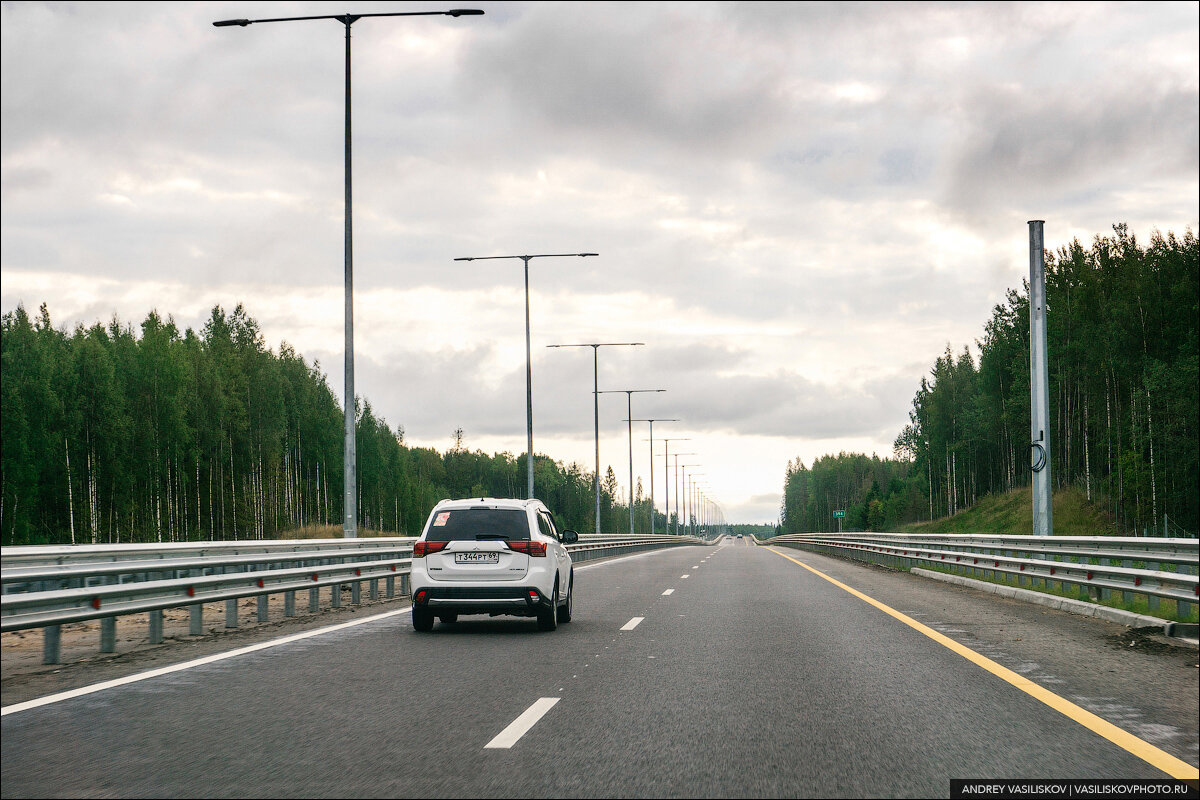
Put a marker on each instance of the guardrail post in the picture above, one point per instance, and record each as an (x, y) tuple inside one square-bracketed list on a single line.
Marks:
[(335, 596), (1183, 609), (52, 644), (389, 586), (108, 635), (262, 607), (373, 589), (356, 593), (1153, 599), (314, 600), (196, 620), (289, 604), (156, 626), (231, 614)]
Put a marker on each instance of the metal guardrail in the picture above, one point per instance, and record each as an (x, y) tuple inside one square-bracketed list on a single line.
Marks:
[(1087, 567), (47, 587)]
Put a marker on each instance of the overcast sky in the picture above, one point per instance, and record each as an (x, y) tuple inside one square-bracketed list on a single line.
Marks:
[(796, 206)]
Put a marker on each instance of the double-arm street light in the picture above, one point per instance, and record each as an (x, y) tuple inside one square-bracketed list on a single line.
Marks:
[(677, 494), (683, 469), (596, 402), (652, 421), (629, 416), (528, 362), (349, 469), (667, 477), (689, 482)]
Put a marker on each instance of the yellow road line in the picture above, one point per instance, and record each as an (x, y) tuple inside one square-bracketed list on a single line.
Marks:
[(1121, 738)]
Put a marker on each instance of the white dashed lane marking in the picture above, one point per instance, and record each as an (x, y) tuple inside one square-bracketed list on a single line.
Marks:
[(633, 623), (668, 591), (521, 725)]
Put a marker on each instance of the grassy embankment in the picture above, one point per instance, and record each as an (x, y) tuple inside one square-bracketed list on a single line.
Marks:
[(1012, 514)]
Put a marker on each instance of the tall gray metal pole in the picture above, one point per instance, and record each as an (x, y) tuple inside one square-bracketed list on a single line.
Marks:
[(596, 403), (1039, 385), (349, 453), (667, 478), (528, 357), (652, 421), (528, 392), (629, 416)]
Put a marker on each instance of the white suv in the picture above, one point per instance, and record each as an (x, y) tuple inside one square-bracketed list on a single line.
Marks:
[(490, 556)]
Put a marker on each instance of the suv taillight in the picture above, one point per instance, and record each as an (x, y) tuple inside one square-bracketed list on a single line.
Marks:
[(422, 549), (536, 549)]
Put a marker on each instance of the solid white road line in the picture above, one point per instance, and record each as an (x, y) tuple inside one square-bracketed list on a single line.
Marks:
[(668, 591), (633, 623), (154, 673), (521, 725)]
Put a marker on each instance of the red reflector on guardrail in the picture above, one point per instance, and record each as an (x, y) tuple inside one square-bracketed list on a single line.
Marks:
[(260, 583), (314, 576), (96, 602), (393, 567), (1137, 581), (358, 571), (191, 591)]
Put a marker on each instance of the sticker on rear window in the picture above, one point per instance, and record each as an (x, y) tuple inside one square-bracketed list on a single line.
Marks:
[(441, 519)]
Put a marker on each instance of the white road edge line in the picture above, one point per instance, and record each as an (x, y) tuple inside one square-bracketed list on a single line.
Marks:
[(668, 591), (521, 725), (633, 623), (154, 673)]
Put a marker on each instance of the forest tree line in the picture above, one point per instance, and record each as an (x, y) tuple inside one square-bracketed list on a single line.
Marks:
[(1123, 368), (108, 436)]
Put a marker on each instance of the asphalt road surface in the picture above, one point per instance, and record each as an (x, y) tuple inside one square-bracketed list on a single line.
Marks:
[(727, 671)]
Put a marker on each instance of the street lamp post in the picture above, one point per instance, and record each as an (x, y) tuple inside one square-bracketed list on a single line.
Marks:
[(596, 402), (652, 421), (686, 493), (677, 494), (350, 458), (666, 478), (528, 361), (629, 416), (691, 481)]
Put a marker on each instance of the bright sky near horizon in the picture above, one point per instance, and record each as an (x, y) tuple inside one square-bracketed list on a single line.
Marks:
[(797, 206)]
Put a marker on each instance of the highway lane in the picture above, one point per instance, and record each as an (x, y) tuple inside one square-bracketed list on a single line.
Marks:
[(752, 677)]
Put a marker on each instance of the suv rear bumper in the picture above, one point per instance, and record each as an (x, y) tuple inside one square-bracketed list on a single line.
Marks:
[(521, 601)]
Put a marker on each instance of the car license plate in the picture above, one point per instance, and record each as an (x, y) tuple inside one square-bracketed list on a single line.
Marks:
[(476, 558)]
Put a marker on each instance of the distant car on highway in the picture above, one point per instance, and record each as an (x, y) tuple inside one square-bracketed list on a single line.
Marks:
[(492, 556), (739, 536)]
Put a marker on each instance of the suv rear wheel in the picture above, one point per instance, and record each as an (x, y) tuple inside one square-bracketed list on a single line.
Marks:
[(422, 619), (564, 611), (548, 618)]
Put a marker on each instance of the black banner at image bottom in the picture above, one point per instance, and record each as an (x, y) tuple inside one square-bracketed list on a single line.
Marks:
[(1019, 789)]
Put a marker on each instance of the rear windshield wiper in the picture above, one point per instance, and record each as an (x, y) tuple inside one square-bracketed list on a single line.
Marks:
[(482, 536)]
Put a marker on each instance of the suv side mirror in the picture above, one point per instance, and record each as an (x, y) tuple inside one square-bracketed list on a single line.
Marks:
[(570, 537)]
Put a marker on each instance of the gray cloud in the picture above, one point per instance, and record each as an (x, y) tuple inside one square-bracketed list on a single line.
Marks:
[(797, 205)]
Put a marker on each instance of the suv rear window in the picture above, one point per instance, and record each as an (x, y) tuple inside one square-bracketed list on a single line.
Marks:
[(479, 523)]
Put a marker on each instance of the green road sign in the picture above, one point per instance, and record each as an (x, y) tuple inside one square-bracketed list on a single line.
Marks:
[(839, 513)]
